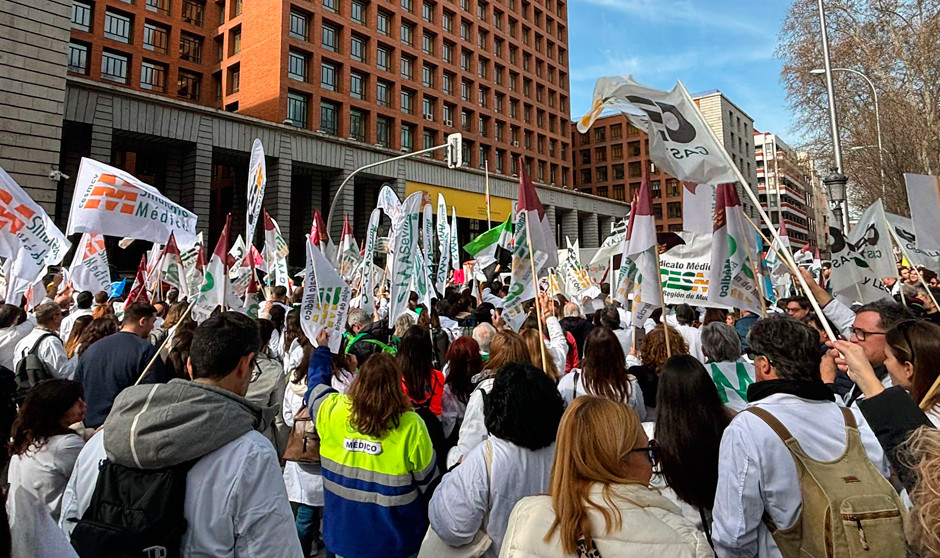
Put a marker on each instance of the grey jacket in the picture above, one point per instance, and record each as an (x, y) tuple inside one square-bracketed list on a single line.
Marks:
[(161, 425), (266, 390)]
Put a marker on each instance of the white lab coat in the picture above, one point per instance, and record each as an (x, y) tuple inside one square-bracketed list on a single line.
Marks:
[(459, 503), (10, 337), (51, 351), (756, 471), (693, 337), (45, 473), (557, 343), (635, 400), (472, 430), (235, 502), (303, 481)]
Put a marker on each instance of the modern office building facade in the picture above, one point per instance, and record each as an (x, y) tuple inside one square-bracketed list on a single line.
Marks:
[(175, 91)]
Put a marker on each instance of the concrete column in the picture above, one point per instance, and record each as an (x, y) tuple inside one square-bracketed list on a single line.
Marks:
[(277, 195), (102, 129), (569, 226), (550, 215), (344, 204), (197, 177), (589, 238)]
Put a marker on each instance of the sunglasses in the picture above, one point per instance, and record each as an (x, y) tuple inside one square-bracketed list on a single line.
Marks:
[(652, 452)]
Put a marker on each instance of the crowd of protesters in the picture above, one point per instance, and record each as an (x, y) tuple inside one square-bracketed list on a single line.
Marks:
[(700, 433)]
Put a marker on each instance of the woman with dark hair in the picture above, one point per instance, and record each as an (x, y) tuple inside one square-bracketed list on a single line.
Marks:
[(295, 340), (377, 459), (685, 316), (423, 384), (98, 329), (522, 413), (690, 421), (14, 326), (463, 363), (42, 447), (715, 315), (912, 355), (603, 373), (278, 315), (440, 341), (653, 354), (600, 503), (507, 347)]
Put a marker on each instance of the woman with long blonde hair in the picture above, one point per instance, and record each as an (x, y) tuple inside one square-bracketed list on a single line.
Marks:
[(535, 344), (600, 503)]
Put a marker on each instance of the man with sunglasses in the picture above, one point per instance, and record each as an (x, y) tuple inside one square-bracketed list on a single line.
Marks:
[(756, 473)]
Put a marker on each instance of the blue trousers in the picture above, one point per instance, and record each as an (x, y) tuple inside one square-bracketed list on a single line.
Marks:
[(307, 522)]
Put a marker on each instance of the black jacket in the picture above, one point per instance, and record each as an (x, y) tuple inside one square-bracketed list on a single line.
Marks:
[(579, 329)]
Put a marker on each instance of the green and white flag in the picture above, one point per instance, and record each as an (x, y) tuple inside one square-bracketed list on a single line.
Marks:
[(405, 241), (484, 247), (732, 281), (443, 239), (366, 296), (325, 304), (215, 284)]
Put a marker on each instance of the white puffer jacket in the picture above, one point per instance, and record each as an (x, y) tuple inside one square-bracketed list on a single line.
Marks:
[(652, 527)]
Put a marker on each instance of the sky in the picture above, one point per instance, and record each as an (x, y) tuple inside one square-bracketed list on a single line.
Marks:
[(709, 44)]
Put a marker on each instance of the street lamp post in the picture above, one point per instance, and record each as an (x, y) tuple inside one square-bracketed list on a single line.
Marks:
[(833, 118), (835, 188), (874, 95)]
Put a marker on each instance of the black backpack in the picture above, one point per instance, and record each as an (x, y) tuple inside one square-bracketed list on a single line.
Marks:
[(134, 513), (30, 370)]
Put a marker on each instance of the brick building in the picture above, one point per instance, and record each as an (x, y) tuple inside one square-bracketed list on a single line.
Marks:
[(175, 91)]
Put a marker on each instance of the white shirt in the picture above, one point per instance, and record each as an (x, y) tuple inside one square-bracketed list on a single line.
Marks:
[(756, 471), (459, 503), (235, 502), (46, 472), (68, 322), (557, 343), (472, 430), (693, 337), (303, 481), (10, 337), (51, 351), (566, 388)]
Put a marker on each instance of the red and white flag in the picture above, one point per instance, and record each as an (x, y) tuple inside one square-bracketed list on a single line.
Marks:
[(170, 267), (348, 254), (320, 237), (215, 285), (731, 282), (639, 268), (540, 230), (139, 288)]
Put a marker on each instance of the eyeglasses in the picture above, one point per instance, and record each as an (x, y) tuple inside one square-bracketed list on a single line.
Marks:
[(754, 355), (652, 452), (861, 334)]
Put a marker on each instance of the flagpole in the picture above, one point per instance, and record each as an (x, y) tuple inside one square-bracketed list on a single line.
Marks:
[(486, 170), (897, 241), (169, 336), (662, 301), (760, 210), (535, 285), (755, 271)]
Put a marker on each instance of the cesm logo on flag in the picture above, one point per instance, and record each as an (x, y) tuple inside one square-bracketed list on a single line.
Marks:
[(114, 193)]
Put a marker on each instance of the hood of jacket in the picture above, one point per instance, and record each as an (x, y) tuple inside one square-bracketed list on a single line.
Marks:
[(162, 425)]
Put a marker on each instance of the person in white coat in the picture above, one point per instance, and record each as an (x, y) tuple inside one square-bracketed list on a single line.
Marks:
[(43, 447), (603, 373), (756, 472), (14, 326), (600, 503), (235, 502), (685, 318), (522, 412), (45, 340)]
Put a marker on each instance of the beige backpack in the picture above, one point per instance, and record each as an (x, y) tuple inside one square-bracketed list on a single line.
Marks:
[(849, 509)]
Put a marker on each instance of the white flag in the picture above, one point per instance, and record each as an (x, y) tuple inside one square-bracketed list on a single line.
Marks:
[(443, 239), (28, 237), (731, 282), (275, 254), (862, 259), (923, 195), (326, 299), (612, 245), (89, 270), (680, 141), (919, 257), (366, 296), (215, 290), (257, 178), (698, 206), (113, 202), (406, 250), (454, 247)]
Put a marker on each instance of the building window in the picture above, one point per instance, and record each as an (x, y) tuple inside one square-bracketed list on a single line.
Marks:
[(383, 93), (427, 106), (427, 12), (427, 76), (383, 130), (78, 58), (618, 192), (408, 6), (155, 37), (237, 41), (384, 22), (193, 12), (81, 16), (407, 68), (329, 38), (190, 47), (117, 27), (464, 90), (329, 5), (447, 22), (585, 176), (357, 49), (357, 125), (152, 76), (357, 86), (448, 84), (407, 137), (674, 210), (618, 172), (600, 134), (328, 76), (328, 113), (428, 141), (407, 101), (465, 60), (407, 34), (448, 115), (616, 131), (601, 173), (616, 152), (447, 52), (297, 109), (481, 68), (114, 67), (236, 78), (427, 44), (383, 59), (162, 6), (187, 85), (358, 12), (465, 30), (299, 26), (297, 66)]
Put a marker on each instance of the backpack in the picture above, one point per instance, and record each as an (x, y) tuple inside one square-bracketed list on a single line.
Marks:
[(31, 370), (134, 513), (849, 509)]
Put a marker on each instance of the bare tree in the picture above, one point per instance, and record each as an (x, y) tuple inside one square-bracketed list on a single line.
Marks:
[(896, 43)]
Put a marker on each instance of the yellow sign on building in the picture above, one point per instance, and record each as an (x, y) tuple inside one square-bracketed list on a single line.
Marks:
[(470, 205)]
